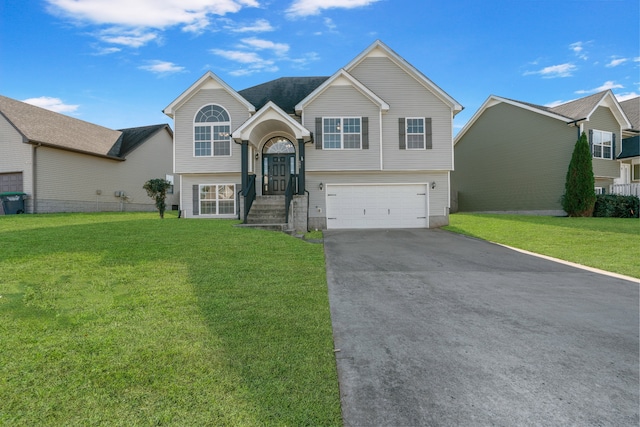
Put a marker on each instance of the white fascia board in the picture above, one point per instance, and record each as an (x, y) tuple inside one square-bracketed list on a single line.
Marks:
[(495, 100), (191, 90), (411, 70), (270, 107), (609, 100), (342, 73)]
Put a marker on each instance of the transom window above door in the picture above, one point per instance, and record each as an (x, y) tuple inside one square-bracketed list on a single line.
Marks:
[(212, 132), (278, 145)]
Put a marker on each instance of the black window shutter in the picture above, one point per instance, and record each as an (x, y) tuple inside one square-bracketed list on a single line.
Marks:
[(318, 135), (591, 141), (428, 140), (401, 133), (365, 133), (613, 146), (196, 199)]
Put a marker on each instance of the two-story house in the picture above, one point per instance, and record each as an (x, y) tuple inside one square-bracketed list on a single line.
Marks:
[(513, 156), (369, 147)]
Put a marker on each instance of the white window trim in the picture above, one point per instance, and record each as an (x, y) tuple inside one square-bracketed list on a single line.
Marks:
[(342, 133), (593, 145), (423, 133), (211, 125), (217, 214)]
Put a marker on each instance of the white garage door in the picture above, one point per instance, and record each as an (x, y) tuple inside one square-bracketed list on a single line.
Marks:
[(377, 206)]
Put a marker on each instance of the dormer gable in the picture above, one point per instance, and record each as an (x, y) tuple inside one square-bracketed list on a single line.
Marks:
[(342, 78), (208, 81)]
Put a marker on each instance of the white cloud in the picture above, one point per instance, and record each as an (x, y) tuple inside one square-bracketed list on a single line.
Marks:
[(561, 70), (251, 62), (315, 7), (624, 96), (107, 50), (616, 61), (146, 13), (259, 44), (132, 38), (259, 26), (162, 67), (578, 49), (53, 104), (130, 21), (606, 86)]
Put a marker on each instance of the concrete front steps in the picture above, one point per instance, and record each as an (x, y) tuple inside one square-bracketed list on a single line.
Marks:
[(267, 213)]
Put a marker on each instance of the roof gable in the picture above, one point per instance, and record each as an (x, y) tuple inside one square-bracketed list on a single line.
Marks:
[(207, 81), (132, 138), (271, 112), (583, 108), (342, 77), (45, 127), (570, 112), (378, 48)]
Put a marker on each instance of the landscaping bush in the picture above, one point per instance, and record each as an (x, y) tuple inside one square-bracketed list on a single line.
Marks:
[(580, 195), (615, 206)]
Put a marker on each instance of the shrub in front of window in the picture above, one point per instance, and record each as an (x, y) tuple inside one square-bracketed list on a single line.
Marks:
[(157, 190), (579, 196), (616, 206)]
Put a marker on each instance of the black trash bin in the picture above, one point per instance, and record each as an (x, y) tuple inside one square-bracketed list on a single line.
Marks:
[(12, 202)]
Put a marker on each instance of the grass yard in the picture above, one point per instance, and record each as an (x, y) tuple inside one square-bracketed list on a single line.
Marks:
[(610, 244), (126, 319)]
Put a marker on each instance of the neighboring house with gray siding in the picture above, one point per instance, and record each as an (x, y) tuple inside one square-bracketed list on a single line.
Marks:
[(68, 165), (369, 147), (513, 156)]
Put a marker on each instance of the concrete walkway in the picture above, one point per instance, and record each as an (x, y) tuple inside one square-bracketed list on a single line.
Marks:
[(433, 328)]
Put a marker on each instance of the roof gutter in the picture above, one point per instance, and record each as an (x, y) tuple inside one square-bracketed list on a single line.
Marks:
[(73, 150)]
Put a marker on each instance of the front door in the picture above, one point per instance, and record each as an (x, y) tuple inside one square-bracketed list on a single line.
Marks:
[(277, 170)]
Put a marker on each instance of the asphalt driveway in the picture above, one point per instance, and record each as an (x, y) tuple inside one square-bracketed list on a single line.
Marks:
[(434, 328)]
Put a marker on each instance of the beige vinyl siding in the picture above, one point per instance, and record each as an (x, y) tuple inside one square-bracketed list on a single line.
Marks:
[(16, 156), (343, 101), (69, 181), (438, 197), (185, 162), (604, 120), (407, 98), (188, 181), (512, 159)]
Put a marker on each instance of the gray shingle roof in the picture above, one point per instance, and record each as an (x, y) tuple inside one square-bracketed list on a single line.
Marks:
[(580, 108), (285, 92), (50, 128), (133, 137), (631, 108), (39, 125)]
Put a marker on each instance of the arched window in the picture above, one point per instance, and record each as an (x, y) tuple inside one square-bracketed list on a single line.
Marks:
[(212, 132)]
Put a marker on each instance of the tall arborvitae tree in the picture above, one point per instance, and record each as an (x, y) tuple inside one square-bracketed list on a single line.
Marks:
[(579, 190)]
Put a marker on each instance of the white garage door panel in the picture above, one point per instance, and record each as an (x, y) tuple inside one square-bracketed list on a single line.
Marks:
[(377, 206)]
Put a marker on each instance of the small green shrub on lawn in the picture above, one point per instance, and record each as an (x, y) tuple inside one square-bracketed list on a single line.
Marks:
[(616, 206)]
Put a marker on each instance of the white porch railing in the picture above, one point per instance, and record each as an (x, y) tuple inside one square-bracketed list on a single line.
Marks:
[(625, 189)]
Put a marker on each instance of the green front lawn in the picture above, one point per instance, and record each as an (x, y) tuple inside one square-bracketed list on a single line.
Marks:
[(126, 319), (611, 244)]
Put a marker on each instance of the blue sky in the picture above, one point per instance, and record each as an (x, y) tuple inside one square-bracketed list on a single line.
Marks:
[(118, 63)]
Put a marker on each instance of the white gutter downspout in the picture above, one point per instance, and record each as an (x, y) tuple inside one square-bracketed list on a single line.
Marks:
[(381, 160)]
